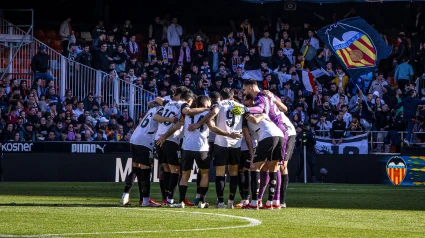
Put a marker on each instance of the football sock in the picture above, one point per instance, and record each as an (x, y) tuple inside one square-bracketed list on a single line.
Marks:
[(241, 177), (278, 184), (203, 191), (172, 186), (272, 185), (283, 188), (233, 187), (145, 182), (220, 183), (264, 181), (166, 182), (182, 190), (129, 180), (247, 185), (161, 186), (198, 181), (255, 176)]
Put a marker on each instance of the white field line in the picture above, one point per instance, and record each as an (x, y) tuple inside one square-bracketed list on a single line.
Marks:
[(252, 222)]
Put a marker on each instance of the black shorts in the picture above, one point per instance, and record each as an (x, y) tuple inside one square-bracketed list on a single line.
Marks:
[(290, 147), (211, 149), (140, 155), (226, 156), (201, 157), (159, 154), (269, 149), (171, 153), (245, 159)]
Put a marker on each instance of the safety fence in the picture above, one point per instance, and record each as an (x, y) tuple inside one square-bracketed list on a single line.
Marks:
[(15, 62)]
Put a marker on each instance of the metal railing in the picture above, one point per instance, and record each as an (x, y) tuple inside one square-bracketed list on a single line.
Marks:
[(69, 74), (374, 141)]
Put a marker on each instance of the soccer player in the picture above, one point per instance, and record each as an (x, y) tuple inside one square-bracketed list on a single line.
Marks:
[(248, 147), (262, 104), (289, 148), (164, 176), (168, 138), (195, 148), (226, 150), (214, 97), (269, 149), (141, 146)]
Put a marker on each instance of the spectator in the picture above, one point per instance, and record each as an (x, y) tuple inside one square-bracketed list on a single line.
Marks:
[(340, 79), (66, 32), (403, 73), (40, 64), (382, 124), (378, 84), (339, 128), (174, 32), (324, 126), (266, 48), (85, 57), (410, 105)]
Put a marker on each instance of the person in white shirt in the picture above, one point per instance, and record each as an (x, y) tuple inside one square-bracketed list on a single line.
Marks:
[(347, 116), (174, 32), (335, 98)]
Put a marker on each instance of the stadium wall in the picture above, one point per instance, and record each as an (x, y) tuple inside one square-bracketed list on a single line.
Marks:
[(111, 162)]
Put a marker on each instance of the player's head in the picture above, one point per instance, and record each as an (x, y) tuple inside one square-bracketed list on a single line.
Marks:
[(187, 96), (250, 88), (178, 92), (203, 101), (226, 93), (214, 96)]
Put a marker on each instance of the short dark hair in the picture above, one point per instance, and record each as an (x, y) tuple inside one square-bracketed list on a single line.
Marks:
[(250, 82), (226, 93), (410, 92), (202, 100), (186, 95)]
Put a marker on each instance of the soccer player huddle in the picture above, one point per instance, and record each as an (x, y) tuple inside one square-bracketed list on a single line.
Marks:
[(253, 138)]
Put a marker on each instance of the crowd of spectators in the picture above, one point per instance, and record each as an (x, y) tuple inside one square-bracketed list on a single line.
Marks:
[(341, 107)]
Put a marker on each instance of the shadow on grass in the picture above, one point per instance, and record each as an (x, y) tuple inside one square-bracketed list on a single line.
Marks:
[(325, 196)]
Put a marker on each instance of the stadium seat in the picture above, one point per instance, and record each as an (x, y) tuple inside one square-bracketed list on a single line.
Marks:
[(56, 45), (86, 35), (51, 34), (39, 34), (77, 34)]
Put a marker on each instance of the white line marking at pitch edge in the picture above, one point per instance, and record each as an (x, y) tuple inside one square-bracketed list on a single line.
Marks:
[(252, 222)]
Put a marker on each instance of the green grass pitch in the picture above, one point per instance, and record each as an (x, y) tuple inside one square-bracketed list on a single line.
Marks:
[(314, 210)]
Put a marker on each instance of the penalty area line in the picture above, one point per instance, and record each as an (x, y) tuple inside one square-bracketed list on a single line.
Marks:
[(252, 222)]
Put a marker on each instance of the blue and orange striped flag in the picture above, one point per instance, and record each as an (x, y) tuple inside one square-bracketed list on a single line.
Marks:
[(357, 45)]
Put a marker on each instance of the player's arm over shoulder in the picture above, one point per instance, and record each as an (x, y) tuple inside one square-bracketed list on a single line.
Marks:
[(186, 110), (254, 119)]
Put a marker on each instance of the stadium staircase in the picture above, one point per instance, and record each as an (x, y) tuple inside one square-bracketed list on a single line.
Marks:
[(18, 45)]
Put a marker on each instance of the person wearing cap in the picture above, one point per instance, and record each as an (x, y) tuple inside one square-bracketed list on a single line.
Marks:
[(376, 95), (71, 53), (40, 64), (306, 138), (27, 134)]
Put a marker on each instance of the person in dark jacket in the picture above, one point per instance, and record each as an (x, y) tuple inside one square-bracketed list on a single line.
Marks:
[(85, 57), (339, 127), (40, 64), (410, 106), (306, 137), (402, 50), (102, 58)]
